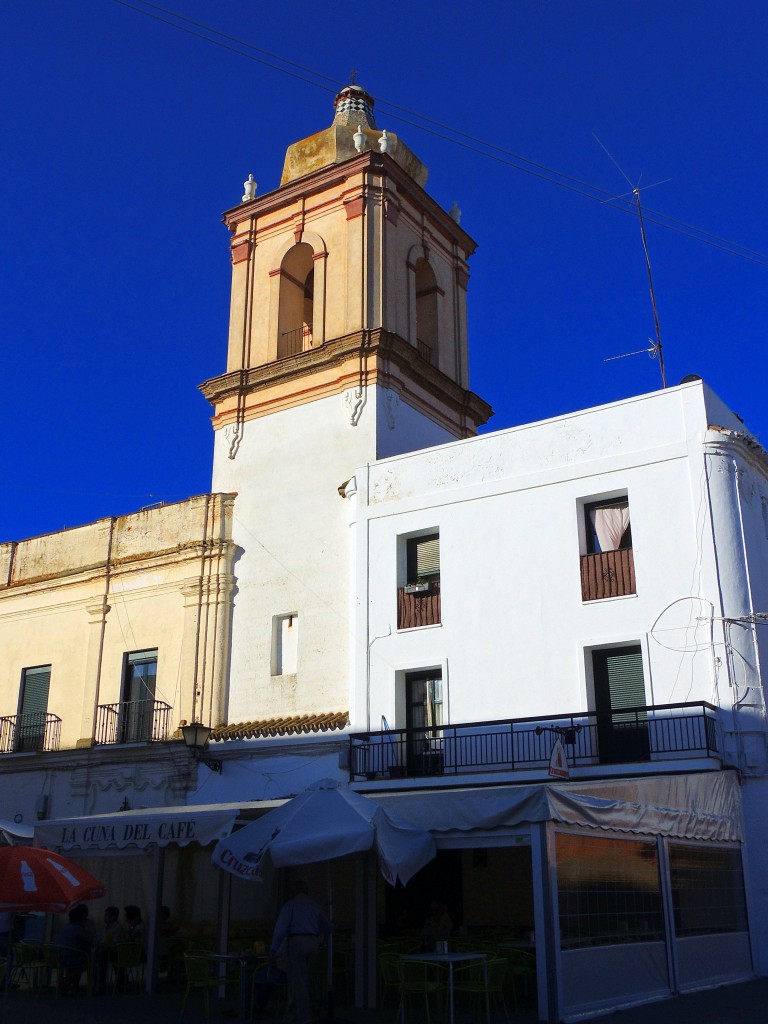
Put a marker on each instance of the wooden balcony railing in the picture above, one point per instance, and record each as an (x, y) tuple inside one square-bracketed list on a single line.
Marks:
[(36, 730), (666, 732), (135, 721), (418, 607), (607, 574)]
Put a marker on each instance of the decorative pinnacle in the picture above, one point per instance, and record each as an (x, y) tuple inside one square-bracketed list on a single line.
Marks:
[(354, 106), (250, 189)]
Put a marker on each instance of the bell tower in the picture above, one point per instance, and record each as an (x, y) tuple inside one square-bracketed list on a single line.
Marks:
[(347, 344)]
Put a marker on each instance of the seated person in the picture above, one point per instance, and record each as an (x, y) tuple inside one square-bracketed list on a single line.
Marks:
[(74, 942), (134, 925), (170, 945), (112, 931)]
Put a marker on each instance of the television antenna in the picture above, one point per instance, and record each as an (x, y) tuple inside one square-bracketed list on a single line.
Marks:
[(654, 349)]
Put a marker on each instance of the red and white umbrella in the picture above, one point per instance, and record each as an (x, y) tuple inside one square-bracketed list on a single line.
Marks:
[(32, 878)]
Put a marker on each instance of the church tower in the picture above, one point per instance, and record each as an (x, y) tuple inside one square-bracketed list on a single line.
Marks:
[(347, 344)]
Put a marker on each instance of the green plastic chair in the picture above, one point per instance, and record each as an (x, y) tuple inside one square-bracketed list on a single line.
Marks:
[(420, 980), (483, 980), (203, 975), (127, 966), (521, 966), (389, 978), (29, 964)]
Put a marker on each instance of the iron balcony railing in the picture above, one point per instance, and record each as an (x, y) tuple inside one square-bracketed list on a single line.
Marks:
[(35, 730), (425, 351), (653, 733), (295, 341), (135, 721)]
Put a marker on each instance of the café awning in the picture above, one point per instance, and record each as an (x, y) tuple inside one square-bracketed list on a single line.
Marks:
[(704, 806), (139, 829)]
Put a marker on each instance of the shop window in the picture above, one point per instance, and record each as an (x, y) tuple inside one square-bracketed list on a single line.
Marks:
[(608, 891), (707, 890)]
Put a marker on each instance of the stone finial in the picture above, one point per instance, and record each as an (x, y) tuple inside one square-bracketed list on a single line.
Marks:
[(250, 189), (455, 212), (384, 143), (359, 138), (354, 106)]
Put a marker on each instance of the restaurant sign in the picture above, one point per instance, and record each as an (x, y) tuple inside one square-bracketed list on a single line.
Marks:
[(161, 827)]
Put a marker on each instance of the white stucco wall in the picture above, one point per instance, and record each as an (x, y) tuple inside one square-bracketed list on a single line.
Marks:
[(295, 535), (515, 634)]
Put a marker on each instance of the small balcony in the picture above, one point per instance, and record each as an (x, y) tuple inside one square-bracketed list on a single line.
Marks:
[(425, 351), (418, 604), (662, 733), (136, 721), (607, 574), (29, 732), (293, 342)]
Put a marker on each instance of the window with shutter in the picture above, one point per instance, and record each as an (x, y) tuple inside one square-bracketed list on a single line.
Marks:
[(418, 593), (33, 708), (622, 726), (423, 558)]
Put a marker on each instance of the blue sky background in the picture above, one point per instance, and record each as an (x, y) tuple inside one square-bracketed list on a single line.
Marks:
[(124, 138)]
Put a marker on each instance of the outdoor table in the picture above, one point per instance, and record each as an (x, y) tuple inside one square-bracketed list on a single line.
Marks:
[(446, 958), (247, 961)]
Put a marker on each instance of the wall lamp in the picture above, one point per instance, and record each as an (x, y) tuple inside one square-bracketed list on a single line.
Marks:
[(196, 738), (567, 733)]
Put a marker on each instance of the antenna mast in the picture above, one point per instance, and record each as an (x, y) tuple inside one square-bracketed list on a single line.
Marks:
[(636, 193), (655, 349)]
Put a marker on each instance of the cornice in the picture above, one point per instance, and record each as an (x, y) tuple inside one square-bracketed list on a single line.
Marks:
[(740, 443), (377, 349), (336, 175)]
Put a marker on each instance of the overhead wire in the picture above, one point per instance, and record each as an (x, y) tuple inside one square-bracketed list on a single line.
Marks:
[(421, 122)]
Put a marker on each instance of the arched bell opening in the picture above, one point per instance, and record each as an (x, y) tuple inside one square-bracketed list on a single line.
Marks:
[(297, 300)]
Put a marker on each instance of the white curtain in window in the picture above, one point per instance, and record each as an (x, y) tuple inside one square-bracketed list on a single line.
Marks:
[(610, 525)]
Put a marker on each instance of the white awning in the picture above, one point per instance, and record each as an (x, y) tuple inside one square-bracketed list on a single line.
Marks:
[(138, 829), (12, 831), (705, 806)]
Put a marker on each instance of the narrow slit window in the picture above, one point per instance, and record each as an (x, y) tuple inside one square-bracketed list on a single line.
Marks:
[(285, 644)]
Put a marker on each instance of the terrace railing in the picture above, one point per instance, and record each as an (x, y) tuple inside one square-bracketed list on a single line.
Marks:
[(652, 733)]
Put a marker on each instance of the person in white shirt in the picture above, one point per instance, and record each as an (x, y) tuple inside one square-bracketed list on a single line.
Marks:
[(295, 940)]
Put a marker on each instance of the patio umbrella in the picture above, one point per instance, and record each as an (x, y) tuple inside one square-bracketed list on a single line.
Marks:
[(32, 878), (320, 824)]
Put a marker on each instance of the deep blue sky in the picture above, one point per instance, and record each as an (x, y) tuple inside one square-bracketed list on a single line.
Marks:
[(123, 139)]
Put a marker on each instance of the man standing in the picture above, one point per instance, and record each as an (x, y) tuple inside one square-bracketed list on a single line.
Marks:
[(296, 940)]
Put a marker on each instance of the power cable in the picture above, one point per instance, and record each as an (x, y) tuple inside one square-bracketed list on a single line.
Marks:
[(422, 123)]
